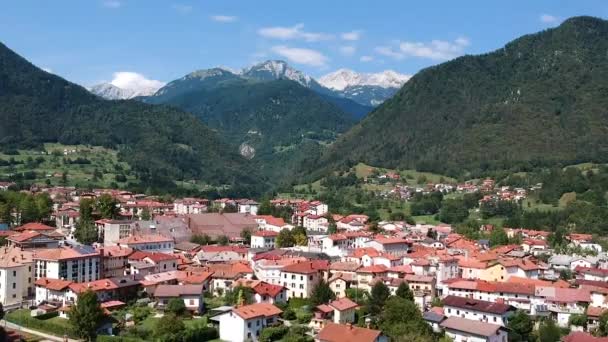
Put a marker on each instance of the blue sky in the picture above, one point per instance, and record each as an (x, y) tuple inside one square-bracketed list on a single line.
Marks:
[(88, 41)]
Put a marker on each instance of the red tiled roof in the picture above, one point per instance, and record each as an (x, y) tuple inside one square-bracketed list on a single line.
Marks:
[(34, 226), (265, 233), (307, 267), (53, 284), (579, 336), (256, 310), (373, 269), (63, 253), (343, 304), (477, 305), (340, 332), (271, 290)]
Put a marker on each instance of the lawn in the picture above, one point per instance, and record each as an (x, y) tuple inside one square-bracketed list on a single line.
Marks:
[(54, 325)]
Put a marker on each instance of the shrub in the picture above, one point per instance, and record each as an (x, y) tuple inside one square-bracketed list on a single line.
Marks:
[(270, 334)]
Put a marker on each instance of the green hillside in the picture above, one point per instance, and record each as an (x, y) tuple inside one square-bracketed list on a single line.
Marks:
[(540, 100), (279, 122), (160, 144)]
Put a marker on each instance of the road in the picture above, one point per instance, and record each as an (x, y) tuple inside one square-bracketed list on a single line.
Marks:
[(34, 332)]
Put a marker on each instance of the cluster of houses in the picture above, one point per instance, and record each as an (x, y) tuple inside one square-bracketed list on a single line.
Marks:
[(479, 288)]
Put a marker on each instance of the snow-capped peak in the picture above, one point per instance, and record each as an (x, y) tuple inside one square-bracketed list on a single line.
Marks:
[(277, 69), (343, 78), (206, 73), (126, 85)]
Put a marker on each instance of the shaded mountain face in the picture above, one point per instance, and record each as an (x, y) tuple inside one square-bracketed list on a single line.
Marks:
[(540, 100), (267, 120), (161, 144)]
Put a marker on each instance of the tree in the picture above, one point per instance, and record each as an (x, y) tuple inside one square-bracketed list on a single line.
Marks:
[(602, 329), (284, 239), (332, 227), (378, 296), (520, 326), (223, 240), (498, 237), (579, 320), (201, 239), (107, 206), (246, 236), (176, 306), (401, 317), (404, 292), (299, 236), (548, 331), (169, 328), (145, 214), (322, 293), (453, 211), (86, 315)]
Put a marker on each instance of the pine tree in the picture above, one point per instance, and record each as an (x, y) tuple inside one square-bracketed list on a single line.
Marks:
[(322, 293)]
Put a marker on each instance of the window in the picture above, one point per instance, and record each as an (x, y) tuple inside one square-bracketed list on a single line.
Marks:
[(14, 273), (14, 285), (310, 278), (191, 302), (494, 318), (248, 324)]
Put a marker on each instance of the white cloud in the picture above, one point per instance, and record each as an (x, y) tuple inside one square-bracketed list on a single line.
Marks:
[(352, 35), (133, 80), (389, 51), (112, 4), (366, 59), (301, 56), (224, 18), (182, 9), (293, 32), (347, 50), (548, 19), (435, 49)]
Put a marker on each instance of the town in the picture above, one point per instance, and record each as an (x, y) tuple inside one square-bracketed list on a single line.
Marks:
[(103, 262)]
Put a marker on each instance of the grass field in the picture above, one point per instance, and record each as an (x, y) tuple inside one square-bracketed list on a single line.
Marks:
[(55, 325), (409, 176), (50, 164)]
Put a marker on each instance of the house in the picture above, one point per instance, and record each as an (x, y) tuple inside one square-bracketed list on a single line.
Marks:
[(115, 230), (347, 332), (16, 275), (268, 222), (480, 310), (269, 270), (114, 260), (247, 206), (344, 310), (339, 282), (32, 239), (144, 263), (192, 295), (301, 278), (465, 330), (190, 206), (224, 275), (121, 288), (247, 321), (269, 293), (315, 223), (264, 239), (390, 245), (149, 243), (79, 263)]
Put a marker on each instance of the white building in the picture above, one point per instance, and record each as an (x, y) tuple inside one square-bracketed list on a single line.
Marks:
[(78, 264), (16, 275), (301, 278), (478, 310), (246, 322), (263, 239), (115, 230)]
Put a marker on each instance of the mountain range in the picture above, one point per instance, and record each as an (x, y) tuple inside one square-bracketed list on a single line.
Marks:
[(270, 112), (366, 90), (539, 101)]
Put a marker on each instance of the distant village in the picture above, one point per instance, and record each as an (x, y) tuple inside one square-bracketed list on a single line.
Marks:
[(149, 253)]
